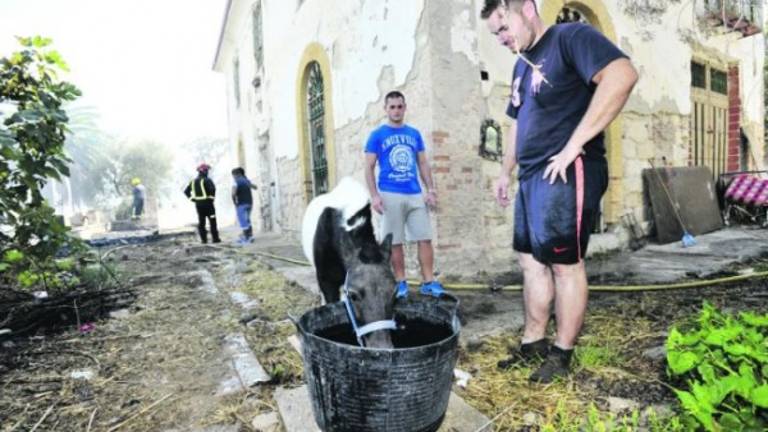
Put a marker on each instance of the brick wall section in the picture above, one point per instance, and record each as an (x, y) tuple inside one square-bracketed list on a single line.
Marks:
[(734, 120)]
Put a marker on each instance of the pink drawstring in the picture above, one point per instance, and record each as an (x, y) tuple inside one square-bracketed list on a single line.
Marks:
[(579, 200)]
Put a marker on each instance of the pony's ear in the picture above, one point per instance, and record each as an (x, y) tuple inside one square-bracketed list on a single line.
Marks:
[(348, 250), (386, 247)]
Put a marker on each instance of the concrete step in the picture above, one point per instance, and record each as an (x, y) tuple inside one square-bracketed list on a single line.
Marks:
[(296, 412)]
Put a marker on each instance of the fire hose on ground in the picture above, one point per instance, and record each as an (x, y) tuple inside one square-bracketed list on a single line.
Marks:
[(596, 288)]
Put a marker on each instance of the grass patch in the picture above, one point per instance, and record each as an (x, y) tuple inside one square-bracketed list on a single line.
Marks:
[(268, 334), (595, 420), (277, 296), (595, 357), (507, 393), (607, 349)]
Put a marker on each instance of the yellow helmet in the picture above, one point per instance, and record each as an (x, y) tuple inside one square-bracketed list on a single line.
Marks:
[(136, 181)]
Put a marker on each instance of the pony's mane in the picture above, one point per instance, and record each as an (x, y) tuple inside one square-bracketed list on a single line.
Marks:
[(349, 197)]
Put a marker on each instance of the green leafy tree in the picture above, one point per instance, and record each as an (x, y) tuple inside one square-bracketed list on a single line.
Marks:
[(148, 160), (212, 151), (32, 138)]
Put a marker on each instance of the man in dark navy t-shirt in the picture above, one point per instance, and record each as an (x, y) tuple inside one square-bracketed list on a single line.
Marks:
[(243, 200), (568, 84)]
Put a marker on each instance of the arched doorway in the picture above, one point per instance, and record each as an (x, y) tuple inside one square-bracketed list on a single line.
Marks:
[(594, 13), (315, 122)]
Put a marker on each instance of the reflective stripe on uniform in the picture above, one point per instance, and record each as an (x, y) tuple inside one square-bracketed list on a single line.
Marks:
[(193, 196)]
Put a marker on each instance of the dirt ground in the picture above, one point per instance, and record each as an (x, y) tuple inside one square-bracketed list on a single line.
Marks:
[(159, 366)]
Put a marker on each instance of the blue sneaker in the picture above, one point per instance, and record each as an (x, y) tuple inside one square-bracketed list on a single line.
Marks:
[(433, 288), (402, 289)]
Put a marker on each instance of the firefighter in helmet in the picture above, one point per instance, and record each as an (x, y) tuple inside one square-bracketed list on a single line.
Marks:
[(202, 192)]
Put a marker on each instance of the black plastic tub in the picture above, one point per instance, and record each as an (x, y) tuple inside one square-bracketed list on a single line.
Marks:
[(405, 389)]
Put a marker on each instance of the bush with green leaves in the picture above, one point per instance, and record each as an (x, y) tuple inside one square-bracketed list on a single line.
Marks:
[(32, 137), (723, 360)]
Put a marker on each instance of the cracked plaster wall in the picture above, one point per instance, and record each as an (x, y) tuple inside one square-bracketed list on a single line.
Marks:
[(435, 57), (656, 118)]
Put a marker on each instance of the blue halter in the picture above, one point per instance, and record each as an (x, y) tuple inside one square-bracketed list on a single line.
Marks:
[(368, 328)]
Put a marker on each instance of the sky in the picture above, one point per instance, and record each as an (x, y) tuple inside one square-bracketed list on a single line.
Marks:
[(145, 65)]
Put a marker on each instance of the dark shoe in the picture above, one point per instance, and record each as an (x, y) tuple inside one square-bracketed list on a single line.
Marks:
[(526, 353), (555, 366), (217, 240)]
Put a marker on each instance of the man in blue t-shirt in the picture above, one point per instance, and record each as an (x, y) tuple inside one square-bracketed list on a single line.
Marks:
[(568, 84), (399, 151)]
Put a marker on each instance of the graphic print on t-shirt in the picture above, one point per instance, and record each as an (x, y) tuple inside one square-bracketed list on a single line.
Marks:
[(516, 92), (401, 159)]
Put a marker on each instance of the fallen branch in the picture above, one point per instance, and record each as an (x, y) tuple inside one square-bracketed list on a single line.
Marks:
[(26, 315), (105, 339), (23, 419), (39, 422), (75, 352), (41, 380), (121, 424), (490, 422), (90, 422)]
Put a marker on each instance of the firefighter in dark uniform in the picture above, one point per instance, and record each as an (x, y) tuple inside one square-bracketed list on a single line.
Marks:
[(202, 192)]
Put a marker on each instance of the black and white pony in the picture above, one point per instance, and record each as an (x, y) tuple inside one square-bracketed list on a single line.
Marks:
[(338, 239)]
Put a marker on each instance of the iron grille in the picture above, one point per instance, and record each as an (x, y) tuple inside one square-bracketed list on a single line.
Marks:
[(316, 111)]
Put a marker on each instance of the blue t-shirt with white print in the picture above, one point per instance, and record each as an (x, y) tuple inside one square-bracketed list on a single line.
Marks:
[(397, 149), (549, 106)]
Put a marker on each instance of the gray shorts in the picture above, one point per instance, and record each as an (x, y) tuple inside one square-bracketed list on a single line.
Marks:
[(406, 217)]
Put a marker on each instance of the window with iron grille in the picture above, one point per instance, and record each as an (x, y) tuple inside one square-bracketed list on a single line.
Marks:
[(718, 81), (258, 38), (316, 126), (698, 75), (236, 81), (709, 118), (571, 14), (747, 10)]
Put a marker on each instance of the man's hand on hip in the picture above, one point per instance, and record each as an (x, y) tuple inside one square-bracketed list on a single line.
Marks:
[(559, 163)]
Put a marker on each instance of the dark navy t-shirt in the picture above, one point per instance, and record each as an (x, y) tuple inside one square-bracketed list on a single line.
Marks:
[(243, 190), (547, 113)]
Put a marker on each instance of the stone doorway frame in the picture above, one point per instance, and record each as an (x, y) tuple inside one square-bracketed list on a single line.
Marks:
[(597, 14)]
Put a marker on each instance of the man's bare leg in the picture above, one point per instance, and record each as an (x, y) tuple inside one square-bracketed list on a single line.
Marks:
[(426, 260), (538, 292), (398, 262), (570, 302), (570, 307)]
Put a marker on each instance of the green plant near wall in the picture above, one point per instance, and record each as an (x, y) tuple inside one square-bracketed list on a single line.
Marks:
[(723, 360), (32, 137)]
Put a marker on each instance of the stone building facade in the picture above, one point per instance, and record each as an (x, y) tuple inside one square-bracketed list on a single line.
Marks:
[(306, 80)]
